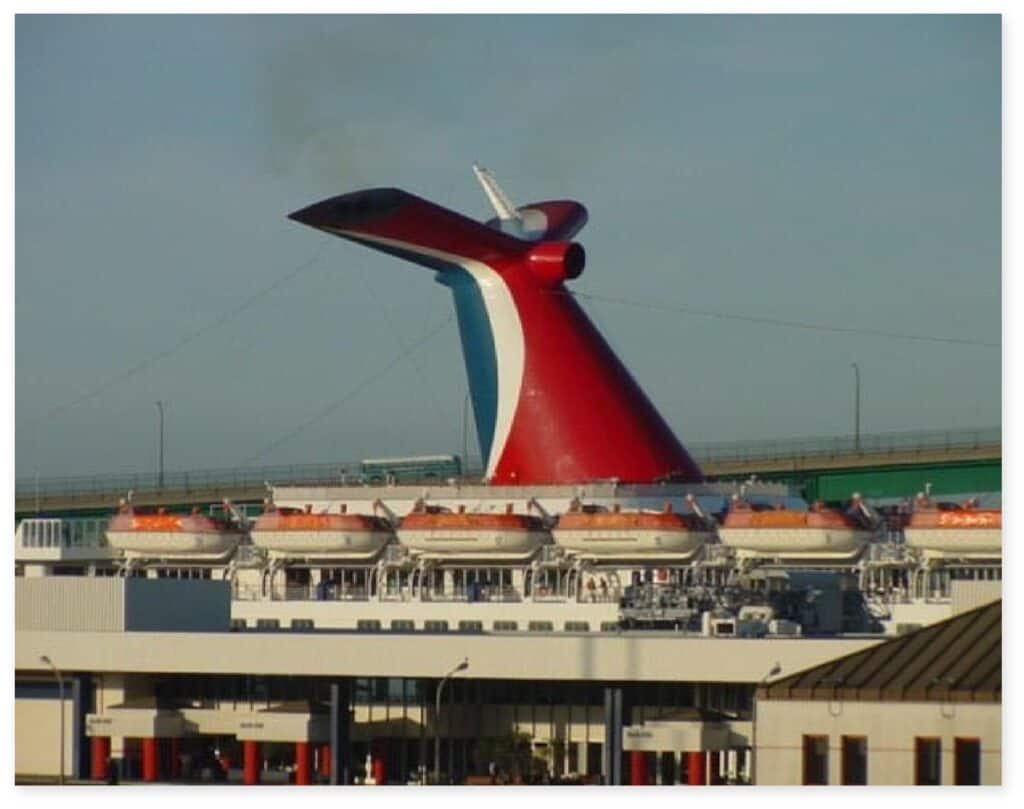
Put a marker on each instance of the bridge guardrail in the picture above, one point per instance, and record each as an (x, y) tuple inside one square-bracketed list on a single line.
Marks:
[(336, 472), (828, 446)]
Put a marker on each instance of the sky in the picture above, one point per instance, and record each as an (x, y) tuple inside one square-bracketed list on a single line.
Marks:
[(834, 170)]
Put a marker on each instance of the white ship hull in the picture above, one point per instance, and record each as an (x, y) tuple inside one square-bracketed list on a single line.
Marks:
[(987, 542), (795, 542), (190, 544), (333, 544), (631, 543)]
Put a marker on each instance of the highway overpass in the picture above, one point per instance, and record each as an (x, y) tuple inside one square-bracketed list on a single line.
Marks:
[(881, 465)]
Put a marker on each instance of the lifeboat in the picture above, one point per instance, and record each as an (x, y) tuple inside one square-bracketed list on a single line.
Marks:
[(300, 532), (488, 535), (598, 531), (819, 532), (160, 534), (954, 529)]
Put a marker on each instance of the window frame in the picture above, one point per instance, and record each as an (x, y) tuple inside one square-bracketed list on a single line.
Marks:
[(960, 742), (920, 743), (809, 741), (846, 744)]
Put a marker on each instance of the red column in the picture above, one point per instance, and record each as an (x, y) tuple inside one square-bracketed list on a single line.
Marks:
[(100, 757), (378, 762), (715, 769), (695, 770), (325, 760), (302, 772), (250, 762), (637, 768), (150, 760)]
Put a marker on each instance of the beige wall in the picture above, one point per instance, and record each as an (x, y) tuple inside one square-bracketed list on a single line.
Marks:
[(629, 656), (37, 737), (890, 729)]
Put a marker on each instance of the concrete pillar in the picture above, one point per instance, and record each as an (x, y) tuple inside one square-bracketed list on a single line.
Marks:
[(696, 774), (378, 762), (174, 761), (150, 760), (302, 771), (339, 716), (714, 768), (637, 768), (250, 762), (100, 756), (615, 712)]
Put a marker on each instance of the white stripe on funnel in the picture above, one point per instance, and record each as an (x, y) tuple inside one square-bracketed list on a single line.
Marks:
[(506, 329)]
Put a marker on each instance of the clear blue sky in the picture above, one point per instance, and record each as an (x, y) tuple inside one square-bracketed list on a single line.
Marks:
[(835, 170)]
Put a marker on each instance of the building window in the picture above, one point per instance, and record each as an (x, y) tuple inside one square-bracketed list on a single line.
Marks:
[(967, 767), (815, 760), (927, 762), (855, 760)]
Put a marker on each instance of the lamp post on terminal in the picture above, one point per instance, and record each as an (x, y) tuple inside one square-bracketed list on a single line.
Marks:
[(160, 410), (856, 406), (60, 690), (772, 672), (465, 434), (437, 717)]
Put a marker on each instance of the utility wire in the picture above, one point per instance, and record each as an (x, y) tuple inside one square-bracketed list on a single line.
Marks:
[(792, 324), (389, 323), (352, 393), (216, 323)]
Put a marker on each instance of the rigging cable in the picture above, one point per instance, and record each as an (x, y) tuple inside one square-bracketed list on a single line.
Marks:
[(353, 392), (216, 323), (792, 324)]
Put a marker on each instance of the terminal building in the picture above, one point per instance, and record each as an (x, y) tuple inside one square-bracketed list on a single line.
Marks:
[(156, 694)]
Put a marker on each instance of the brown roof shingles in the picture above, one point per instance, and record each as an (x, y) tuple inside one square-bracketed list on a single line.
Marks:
[(957, 660)]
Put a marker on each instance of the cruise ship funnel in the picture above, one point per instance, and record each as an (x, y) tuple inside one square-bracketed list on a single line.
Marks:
[(552, 402)]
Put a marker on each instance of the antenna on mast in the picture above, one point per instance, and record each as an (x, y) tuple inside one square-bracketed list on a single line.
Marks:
[(499, 200)]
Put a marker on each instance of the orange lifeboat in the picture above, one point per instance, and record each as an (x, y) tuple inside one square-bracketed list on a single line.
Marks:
[(630, 534), (819, 532), (300, 532), (955, 529), (489, 535), (159, 534)]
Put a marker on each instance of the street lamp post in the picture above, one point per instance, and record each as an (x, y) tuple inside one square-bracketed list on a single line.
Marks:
[(465, 434), (856, 406), (160, 410), (774, 670), (60, 689), (437, 717)]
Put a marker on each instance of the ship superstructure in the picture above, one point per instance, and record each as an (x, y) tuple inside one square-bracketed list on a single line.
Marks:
[(586, 558)]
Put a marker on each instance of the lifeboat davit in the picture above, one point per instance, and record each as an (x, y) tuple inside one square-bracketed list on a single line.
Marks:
[(602, 532), (161, 534), (462, 534), (955, 529), (776, 531), (300, 532)]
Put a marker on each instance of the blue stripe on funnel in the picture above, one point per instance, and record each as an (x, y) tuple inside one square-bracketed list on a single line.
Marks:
[(478, 350)]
